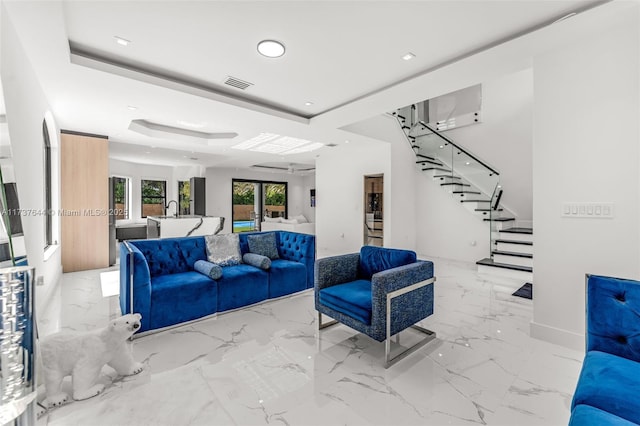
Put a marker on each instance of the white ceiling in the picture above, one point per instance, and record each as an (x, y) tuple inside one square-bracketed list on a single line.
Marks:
[(338, 53)]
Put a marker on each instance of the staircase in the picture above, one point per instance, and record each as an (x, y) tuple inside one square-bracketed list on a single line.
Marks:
[(477, 186), (512, 254)]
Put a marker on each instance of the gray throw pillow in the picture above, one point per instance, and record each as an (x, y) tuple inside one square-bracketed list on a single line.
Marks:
[(223, 249), (209, 269), (257, 260), (263, 244)]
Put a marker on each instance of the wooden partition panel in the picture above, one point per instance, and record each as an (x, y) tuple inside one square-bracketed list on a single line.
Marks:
[(84, 187)]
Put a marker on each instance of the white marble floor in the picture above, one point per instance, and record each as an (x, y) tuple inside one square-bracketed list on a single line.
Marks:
[(267, 364)]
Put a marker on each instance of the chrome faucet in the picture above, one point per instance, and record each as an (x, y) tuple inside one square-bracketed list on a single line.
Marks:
[(169, 203)]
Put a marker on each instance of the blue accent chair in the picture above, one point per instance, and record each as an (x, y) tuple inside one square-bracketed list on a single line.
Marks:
[(609, 383), (378, 292)]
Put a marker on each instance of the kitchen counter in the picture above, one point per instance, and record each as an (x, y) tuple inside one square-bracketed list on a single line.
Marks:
[(183, 226)]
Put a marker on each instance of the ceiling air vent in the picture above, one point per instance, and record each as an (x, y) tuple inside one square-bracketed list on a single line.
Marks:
[(237, 83)]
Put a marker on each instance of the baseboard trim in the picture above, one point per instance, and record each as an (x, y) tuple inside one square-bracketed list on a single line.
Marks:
[(558, 336)]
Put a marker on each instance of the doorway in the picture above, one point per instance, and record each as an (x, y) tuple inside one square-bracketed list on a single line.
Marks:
[(253, 200), (373, 210)]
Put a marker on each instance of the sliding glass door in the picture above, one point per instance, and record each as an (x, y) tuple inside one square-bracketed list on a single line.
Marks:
[(253, 200)]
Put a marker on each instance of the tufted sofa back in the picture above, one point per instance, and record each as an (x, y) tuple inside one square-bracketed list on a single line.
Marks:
[(613, 316), (291, 246), (171, 255)]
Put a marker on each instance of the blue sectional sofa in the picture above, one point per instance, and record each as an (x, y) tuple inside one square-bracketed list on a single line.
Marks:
[(168, 291), (609, 383)]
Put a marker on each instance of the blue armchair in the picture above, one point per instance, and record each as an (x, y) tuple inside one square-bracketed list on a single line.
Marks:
[(378, 292), (609, 383)]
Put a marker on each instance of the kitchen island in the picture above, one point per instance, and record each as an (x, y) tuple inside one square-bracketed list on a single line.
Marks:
[(183, 226)]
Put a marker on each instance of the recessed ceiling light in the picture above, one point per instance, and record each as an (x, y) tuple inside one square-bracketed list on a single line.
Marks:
[(131, 107), (308, 103), (122, 41), (347, 141), (467, 163), (271, 48), (408, 56), (147, 152)]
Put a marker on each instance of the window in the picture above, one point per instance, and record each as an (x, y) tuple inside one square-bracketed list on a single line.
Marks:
[(48, 217), (184, 196), (154, 197), (121, 197)]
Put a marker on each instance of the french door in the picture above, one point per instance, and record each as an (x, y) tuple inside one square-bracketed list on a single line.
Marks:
[(253, 200)]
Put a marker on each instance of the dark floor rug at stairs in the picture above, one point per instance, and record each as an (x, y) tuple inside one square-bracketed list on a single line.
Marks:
[(525, 291)]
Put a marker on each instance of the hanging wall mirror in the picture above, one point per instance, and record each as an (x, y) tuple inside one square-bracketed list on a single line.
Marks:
[(12, 246)]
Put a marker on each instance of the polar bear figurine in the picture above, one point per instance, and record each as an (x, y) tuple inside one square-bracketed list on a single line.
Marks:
[(82, 355)]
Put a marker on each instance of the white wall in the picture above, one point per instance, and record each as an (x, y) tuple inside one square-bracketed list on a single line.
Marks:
[(136, 173), (340, 195), (219, 191), (586, 148), (26, 108), (503, 138)]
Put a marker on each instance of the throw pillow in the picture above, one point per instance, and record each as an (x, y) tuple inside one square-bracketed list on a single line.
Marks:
[(272, 219), (290, 221), (257, 260), (209, 269), (301, 219), (223, 249), (263, 244)]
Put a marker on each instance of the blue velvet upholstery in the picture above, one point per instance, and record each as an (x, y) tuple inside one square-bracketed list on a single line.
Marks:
[(242, 285), (609, 383), (352, 269), (291, 246), (168, 290), (586, 415), (374, 260), (352, 299), (286, 277), (613, 316), (182, 297)]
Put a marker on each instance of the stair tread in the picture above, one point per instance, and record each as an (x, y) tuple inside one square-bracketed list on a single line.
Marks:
[(436, 168), (447, 176), (423, 156), (518, 230), (522, 243), (435, 163), (465, 192), (488, 210), (489, 262), (513, 253), (500, 219), (454, 183), (475, 201)]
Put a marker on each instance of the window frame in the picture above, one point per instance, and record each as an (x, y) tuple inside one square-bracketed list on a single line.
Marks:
[(47, 195), (142, 196), (181, 198), (127, 197)]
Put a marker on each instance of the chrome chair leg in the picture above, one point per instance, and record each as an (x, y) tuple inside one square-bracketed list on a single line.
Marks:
[(326, 324)]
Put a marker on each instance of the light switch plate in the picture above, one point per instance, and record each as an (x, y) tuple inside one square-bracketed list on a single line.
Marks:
[(592, 210)]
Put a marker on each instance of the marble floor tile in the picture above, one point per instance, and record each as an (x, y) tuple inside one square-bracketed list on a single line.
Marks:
[(268, 364)]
